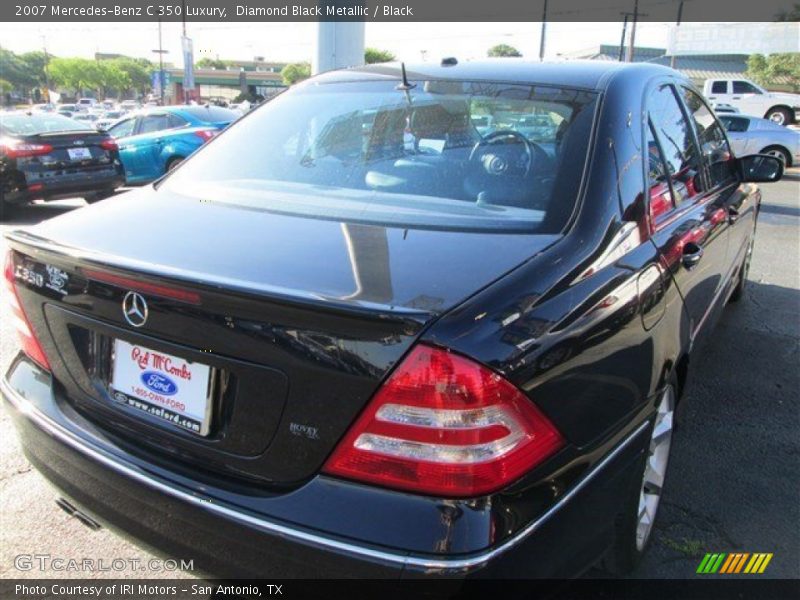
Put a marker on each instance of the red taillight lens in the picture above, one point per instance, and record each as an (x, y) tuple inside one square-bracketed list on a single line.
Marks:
[(109, 145), (17, 149), (30, 345), (446, 426), (206, 134)]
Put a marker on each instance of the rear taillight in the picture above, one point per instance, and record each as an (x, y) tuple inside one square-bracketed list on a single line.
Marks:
[(30, 345), (446, 426), (206, 134), (109, 145), (18, 149)]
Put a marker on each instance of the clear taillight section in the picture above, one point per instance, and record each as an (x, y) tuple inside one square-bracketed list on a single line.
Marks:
[(30, 345), (446, 426)]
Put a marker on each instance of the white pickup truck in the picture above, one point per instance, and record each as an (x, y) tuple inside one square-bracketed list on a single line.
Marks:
[(753, 100)]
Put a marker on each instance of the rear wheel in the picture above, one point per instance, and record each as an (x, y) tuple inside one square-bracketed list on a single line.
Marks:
[(636, 520), (779, 115), (173, 163), (780, 153)]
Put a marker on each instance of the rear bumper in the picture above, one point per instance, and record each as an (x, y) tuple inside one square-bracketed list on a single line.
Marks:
[(68, 186), (225, 540)]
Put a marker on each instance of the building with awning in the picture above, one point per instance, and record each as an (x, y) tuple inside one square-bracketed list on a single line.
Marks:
[(258, 79)]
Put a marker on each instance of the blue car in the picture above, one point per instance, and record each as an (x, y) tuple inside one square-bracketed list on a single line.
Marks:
[(154, 141)]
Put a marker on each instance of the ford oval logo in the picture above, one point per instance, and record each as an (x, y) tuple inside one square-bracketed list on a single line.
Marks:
[(158, 383)]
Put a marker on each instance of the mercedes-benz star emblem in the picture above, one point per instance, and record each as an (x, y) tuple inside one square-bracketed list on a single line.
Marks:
[(134, 309)]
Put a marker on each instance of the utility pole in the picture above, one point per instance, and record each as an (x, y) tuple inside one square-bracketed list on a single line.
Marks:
[(677, 24), (622, 40), (544, 32), (46, 73), (183, 24), (629, 57)]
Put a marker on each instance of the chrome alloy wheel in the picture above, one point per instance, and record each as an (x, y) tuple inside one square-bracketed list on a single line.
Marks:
[(655, 467)]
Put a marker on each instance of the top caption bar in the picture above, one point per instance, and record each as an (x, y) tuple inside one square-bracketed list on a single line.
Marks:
[(379, 10)]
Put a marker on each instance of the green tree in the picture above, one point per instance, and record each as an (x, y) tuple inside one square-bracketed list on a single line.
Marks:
[(503, 50), (137, 74), (373, 55), (15, 71), (294, 72), (770, 70)]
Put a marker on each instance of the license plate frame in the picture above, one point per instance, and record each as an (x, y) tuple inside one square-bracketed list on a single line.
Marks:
[(163, 387), (79, 154)]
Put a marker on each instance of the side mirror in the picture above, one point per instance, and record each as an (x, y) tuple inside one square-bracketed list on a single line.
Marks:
[(761, 168)]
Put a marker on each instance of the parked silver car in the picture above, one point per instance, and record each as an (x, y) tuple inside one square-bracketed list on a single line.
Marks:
[(751, 135)]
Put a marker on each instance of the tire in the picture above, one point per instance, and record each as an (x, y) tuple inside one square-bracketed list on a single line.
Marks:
[(779, 115), (636, 520), (174, 162), (738, 291), (97, 196), (780, 153)]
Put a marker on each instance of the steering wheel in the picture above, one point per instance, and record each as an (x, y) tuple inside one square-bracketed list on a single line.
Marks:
[(498, 157)]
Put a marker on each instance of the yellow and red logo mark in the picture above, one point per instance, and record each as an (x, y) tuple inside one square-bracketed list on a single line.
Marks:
[(733, 563)]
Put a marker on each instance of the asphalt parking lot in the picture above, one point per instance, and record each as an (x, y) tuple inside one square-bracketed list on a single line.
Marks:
[(734, 483)]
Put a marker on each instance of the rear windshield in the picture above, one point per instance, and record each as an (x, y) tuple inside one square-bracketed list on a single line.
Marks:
[(210, 114), (445, 154), (25, 124)]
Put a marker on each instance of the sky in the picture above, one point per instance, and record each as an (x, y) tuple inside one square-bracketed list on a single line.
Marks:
[(288, 42)]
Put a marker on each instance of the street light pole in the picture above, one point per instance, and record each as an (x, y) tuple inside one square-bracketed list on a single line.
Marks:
[(161, 52)]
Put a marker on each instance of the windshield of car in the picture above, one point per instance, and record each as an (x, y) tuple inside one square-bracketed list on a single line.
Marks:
[(25, 124), (446, 154)]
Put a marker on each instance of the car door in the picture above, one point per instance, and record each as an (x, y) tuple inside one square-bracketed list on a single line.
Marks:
[(748, 98), (122, 132), (720, 93), (738, 200), (737, 127), (688, 219), (149, 142)]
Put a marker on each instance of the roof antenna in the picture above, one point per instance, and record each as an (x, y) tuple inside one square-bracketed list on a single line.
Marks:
[(405, 85)]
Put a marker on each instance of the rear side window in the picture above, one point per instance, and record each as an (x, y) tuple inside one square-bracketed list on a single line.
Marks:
[(719, 87), (175, 121), (151, 123), (745, 87), (674, 136), (735, 124), (713, 144), (658, 175)]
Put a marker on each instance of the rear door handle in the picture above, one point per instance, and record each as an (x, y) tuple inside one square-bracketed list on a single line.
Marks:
[(737, 97), (692, 253), (733, 215)]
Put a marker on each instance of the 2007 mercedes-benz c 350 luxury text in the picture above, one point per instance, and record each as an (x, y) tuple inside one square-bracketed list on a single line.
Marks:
[(401, 320)]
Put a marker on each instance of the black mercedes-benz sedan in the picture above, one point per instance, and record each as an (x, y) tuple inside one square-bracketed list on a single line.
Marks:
[(373, 329), (47, 156)]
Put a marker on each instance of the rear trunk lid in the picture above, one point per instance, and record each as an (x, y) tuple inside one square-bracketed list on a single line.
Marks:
[(71, 152), (292, 322)]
